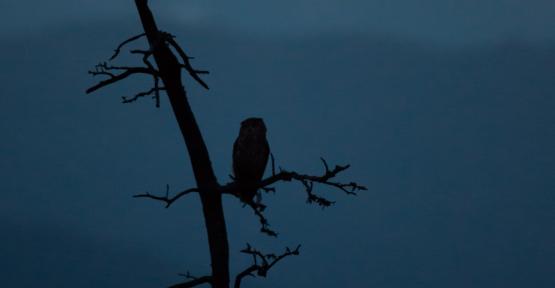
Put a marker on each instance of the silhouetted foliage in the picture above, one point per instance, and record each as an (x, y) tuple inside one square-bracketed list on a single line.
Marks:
[(166, 77)]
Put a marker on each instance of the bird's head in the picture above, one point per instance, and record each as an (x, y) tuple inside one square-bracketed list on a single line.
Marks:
[(253, 126)]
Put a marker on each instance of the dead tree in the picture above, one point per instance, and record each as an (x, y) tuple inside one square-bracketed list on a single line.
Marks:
[(171, 60)]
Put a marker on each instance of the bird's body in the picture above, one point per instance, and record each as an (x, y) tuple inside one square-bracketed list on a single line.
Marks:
[(250, 156)]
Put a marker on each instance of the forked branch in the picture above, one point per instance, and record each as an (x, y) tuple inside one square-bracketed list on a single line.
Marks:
[(163, 38), (167, 199), (262, 262), (186, 63), (110, 71), (155, 90), (258, 208), (131, 39), (308, 181)]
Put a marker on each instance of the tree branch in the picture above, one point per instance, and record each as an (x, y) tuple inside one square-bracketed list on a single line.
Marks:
[(117, 50), (168, 200), (186, 63), (156, 90), (104, 69), (193, 282), (308, 181), (267, 261), (265, 226)]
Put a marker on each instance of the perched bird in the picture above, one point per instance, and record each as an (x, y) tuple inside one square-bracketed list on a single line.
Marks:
[(250, 156)]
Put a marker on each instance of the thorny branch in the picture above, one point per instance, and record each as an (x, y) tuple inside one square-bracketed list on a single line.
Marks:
[(167, 199), (262, 262)]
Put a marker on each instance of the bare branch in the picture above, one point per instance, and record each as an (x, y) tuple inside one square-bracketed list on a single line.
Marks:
[(156, 78), (139, 51), (168, 200), (103, 69), (265, 226), (145, 93), (194, 282), (257, 206), (103, 66), (262, 262), (188, 275), (117, 50), (186, 63), (308, 181), (243, 274)]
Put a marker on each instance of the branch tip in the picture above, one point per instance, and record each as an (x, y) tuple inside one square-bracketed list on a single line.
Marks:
[(262, 263), (166, 199)]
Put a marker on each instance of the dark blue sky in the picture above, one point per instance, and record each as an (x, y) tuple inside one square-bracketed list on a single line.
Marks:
[(443, 108)]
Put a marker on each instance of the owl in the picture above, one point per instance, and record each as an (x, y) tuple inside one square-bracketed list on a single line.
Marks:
[(250, 156)]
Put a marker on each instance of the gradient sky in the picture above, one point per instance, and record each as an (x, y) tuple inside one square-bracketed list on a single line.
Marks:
[(443, 108)]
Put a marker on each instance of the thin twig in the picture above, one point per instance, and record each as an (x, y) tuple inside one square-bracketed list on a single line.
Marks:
[(168, 200), (117, 50), (265, 226), (156, 78), (187, 64), (308, 181), (117, 77), (193, 282), (145, 93), (262, 263)]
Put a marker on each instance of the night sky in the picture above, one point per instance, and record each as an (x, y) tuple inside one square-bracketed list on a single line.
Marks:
[(444, 109)]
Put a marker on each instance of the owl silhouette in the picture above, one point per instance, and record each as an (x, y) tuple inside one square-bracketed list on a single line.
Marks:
[(250, 156)]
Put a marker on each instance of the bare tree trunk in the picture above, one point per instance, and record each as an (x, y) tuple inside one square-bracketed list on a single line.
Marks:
[(210, 191), (170, 72)]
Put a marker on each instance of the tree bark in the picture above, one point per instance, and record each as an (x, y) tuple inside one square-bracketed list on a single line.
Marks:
[(170, 73)]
